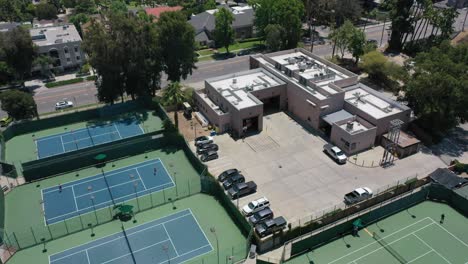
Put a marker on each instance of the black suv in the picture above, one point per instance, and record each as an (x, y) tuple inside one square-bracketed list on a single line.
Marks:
[(261, 216), (270, 226), (206, 147), (227, 174), (238, 178), (241, 189), (210, 155)]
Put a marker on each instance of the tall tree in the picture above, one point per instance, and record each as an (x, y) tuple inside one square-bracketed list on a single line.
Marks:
[(17, 104), (347, 10), (438, 90), (400, 15), (357, 43), (177, 42), (224, 33), (273, 36), (285, 13), (10, 11), (341, 36), (46, 11), (174, 96), (18, 51)]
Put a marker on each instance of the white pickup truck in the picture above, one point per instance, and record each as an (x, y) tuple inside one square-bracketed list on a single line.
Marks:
[(357, 195)]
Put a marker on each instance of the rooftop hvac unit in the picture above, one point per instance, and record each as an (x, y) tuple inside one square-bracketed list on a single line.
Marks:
[(349, 125), (234, 80), (291, 60), (235, 102)]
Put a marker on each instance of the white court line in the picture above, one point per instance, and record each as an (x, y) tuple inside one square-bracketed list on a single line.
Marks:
[(424, 242), (461, 241), (128, 254), (377, 242), (116, 129), (74, 198), (108, 202), (63, 146), (142, 130), (119, 237), (186, 253), (87, 256), (111, 173), (394, 241), (170, 239), (141, 179), (201, 229), (420, 256)]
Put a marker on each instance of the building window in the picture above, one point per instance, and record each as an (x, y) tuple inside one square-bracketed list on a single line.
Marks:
[(65, 50), (78, 58), (76, 49), (346, 143), (68, 59)]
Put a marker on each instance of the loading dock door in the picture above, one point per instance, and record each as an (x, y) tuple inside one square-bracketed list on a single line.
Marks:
[(271, 105), (250, 124)]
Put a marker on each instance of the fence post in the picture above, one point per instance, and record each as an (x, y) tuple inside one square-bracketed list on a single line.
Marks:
[(50, 232), (81, 221), (34, 236), (17, 241)]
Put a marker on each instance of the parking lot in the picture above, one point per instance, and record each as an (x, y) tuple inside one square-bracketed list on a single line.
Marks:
[(288, 164)]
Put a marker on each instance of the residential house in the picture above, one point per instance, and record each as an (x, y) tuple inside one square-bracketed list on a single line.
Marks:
[(204, 24), (157, 11)]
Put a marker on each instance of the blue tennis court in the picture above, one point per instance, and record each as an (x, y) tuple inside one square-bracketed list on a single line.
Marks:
[(87, 137), (81, 196), (171, 239)]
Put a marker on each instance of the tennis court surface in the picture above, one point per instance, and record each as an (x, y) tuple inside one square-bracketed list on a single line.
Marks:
[(87, 137), (401, 239), (116, 186), (172, 239)]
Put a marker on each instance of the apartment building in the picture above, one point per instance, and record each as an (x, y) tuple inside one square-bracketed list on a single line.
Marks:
[(61, 43)]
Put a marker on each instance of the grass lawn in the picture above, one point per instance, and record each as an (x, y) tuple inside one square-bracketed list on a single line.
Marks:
[(205, 52), (241, 45)]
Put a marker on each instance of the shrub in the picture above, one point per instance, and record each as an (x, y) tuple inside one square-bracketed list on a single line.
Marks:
[(66, 82)]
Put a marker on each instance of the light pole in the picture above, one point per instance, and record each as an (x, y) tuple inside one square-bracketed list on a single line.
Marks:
[(213, 230), (135, 186), (94, 208), (383, 29)]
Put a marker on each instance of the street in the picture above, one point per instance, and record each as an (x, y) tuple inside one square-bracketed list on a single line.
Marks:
[(85, 93)]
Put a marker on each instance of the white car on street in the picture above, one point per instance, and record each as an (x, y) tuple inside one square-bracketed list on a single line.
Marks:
[(255, 206), (63, 104)]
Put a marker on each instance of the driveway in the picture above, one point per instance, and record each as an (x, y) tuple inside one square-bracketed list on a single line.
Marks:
[(288, 164)]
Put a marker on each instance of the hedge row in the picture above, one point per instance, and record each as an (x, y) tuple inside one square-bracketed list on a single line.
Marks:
[(71, 81)]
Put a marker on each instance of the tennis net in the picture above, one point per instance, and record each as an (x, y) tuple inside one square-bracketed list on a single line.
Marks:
[(387, 247), (128, 244)]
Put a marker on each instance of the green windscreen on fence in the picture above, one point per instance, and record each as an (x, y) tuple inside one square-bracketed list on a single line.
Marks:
[(374, 215), (2, 214)]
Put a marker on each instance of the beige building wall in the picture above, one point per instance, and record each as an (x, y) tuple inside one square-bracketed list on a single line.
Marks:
[(353, 143)]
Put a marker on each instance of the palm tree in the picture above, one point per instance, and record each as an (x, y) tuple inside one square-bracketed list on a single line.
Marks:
[(174, 96), (44, 62)]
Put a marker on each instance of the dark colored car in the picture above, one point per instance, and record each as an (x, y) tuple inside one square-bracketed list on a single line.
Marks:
[(227, 174), (244, 52), (201, 149), (210, 155), (241, 189), (203, 140), (261, 216), (270, 226), (238, 178)]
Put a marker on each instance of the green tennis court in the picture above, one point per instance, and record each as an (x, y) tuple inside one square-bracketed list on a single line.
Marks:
[(416, 235)]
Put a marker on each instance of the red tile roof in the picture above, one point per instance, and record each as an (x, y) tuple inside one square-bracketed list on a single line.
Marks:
[(157, 11)]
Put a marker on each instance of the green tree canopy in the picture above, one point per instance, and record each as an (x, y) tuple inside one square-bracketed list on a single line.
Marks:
[(177, 42), (341, 37), (383, 72), (17, 104), (17, 51), (438, 90), (224, 34), (174, 96), (357, 43), (46, 11), (273, 36), (285, 13)]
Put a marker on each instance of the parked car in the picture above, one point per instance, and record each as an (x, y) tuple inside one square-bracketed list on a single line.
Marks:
[(241, 189), (238, 178), (372, 41), (244, 52), (357, 195), (206, 147), (203, 140), (227, 174), (255, 206), (210, 155), (63, 105), (261, 216), (6, 121), (270, 226), (336, 153)]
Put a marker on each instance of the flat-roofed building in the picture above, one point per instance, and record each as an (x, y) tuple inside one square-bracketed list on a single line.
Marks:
[(61, 43), (315, 91)]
